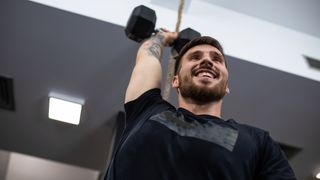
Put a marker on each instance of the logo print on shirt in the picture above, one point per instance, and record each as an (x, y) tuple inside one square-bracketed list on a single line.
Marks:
[(212, 132)]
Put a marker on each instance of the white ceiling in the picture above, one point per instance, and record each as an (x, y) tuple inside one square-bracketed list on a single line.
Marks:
[(299, 15)]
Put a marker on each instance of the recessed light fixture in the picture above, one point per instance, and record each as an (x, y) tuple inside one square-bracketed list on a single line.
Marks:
[(318, 175), (64, 108)]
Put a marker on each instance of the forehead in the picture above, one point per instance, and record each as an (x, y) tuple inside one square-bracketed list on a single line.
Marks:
[(202, 48)]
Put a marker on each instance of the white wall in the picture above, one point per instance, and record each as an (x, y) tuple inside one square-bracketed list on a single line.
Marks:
[(23, 167), (242, 36)]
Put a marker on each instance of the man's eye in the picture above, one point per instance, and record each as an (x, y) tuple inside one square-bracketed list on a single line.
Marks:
[(217, 59), (195, 57)]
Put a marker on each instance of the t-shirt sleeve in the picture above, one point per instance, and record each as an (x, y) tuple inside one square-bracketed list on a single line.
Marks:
[(274, 164), (144, 102)]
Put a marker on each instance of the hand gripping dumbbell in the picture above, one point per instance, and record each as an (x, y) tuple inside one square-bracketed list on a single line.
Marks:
[(141, 25)]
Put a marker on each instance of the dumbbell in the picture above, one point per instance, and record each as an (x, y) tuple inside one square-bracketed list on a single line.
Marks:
[(141, 25)]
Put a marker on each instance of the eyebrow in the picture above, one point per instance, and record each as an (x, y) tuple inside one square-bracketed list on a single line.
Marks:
[(214, 54), (195, 53)]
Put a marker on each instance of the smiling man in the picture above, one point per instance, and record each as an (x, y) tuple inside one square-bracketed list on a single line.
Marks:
[(191, 142)]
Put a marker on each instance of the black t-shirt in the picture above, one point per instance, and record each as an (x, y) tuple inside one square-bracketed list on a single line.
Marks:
[(175, 144)]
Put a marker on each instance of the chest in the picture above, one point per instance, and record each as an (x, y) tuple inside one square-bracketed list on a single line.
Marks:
[(174, 146)]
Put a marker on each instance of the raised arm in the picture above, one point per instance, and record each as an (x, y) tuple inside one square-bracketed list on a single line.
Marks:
[(147, 72)]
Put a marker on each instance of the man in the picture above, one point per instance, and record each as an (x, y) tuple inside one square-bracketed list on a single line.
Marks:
[(192, 142)]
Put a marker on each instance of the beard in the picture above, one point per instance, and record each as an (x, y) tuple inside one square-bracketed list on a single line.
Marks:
[(201, 94)]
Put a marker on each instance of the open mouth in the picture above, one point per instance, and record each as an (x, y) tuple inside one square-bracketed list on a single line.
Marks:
[(206, 73)]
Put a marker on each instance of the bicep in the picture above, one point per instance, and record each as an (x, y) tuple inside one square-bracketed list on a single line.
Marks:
[(146, 75)]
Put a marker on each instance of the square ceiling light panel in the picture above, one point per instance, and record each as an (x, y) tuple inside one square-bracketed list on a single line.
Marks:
[(65, 109)]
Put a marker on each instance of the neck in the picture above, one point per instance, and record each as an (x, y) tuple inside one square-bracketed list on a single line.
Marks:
[(210, 108)]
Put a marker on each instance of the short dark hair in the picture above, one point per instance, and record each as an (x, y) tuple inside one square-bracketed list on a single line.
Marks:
[(195, 42)]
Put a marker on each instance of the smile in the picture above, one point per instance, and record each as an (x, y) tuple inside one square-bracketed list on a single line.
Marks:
[(206, 73)]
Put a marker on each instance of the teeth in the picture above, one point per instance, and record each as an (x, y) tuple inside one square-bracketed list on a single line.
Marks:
[(205, 74)]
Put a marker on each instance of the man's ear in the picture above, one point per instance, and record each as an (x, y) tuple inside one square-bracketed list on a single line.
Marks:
[(175, 82), (227, 90)]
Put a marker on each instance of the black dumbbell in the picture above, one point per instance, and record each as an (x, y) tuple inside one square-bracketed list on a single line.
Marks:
[(141, 25), (184, 37)]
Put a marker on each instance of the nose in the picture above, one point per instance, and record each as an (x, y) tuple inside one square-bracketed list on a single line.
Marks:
[(206, 62)]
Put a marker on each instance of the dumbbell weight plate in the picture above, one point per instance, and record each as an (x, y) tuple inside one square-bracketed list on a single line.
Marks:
[(141, 23), (184, 37)]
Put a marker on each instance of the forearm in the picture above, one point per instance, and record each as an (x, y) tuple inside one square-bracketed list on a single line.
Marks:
[(151, 48), (147, 72)]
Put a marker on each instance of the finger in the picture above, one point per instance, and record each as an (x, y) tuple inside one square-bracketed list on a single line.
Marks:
[(164, 30)]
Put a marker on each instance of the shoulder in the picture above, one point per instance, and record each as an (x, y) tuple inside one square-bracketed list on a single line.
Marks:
[(150, 95), (252, 130), (148, 99), (269, 157), (251, 134), (148, 103)]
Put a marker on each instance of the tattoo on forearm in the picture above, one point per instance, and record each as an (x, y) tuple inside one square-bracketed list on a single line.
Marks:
[(155, 49)]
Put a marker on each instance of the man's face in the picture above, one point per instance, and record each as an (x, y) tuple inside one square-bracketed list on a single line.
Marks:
[(202, 75)]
